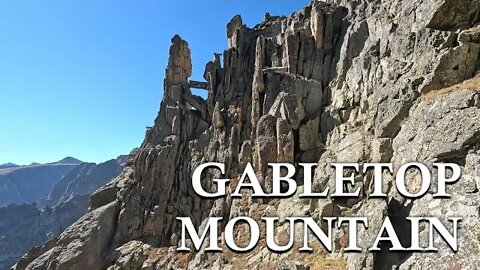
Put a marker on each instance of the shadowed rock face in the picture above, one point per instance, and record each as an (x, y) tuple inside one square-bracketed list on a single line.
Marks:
[(343, 81), (24, 226)]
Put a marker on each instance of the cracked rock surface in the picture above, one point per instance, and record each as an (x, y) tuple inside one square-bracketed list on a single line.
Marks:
[(338, 81)]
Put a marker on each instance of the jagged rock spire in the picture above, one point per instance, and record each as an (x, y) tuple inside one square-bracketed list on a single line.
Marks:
[(343, 81)]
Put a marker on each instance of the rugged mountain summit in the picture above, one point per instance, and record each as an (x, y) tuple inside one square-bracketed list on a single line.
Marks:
[(68, 160), (339, 81)]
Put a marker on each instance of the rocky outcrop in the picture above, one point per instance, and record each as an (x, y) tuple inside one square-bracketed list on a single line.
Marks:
[(88, 238), (342, 81)]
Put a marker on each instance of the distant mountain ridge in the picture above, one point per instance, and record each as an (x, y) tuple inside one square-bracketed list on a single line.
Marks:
[(25, 225), (8, 165), (30, 183), (68, 160), (84, 179)]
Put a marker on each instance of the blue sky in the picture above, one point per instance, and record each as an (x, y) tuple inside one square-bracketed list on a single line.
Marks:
[(84, 78)]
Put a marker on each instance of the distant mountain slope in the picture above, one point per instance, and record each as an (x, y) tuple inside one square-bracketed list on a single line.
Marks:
[(27, 184), (85, 179), (69, 160), (25, 226), (8, 165)]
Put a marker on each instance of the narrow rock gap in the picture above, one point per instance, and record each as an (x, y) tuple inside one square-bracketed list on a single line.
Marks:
[(385, 259)]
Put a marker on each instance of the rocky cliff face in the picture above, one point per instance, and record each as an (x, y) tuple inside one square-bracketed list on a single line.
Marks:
[(339, 81)]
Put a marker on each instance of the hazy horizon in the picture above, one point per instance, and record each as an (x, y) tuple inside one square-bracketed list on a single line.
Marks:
[(53, 161), (84, 79)]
